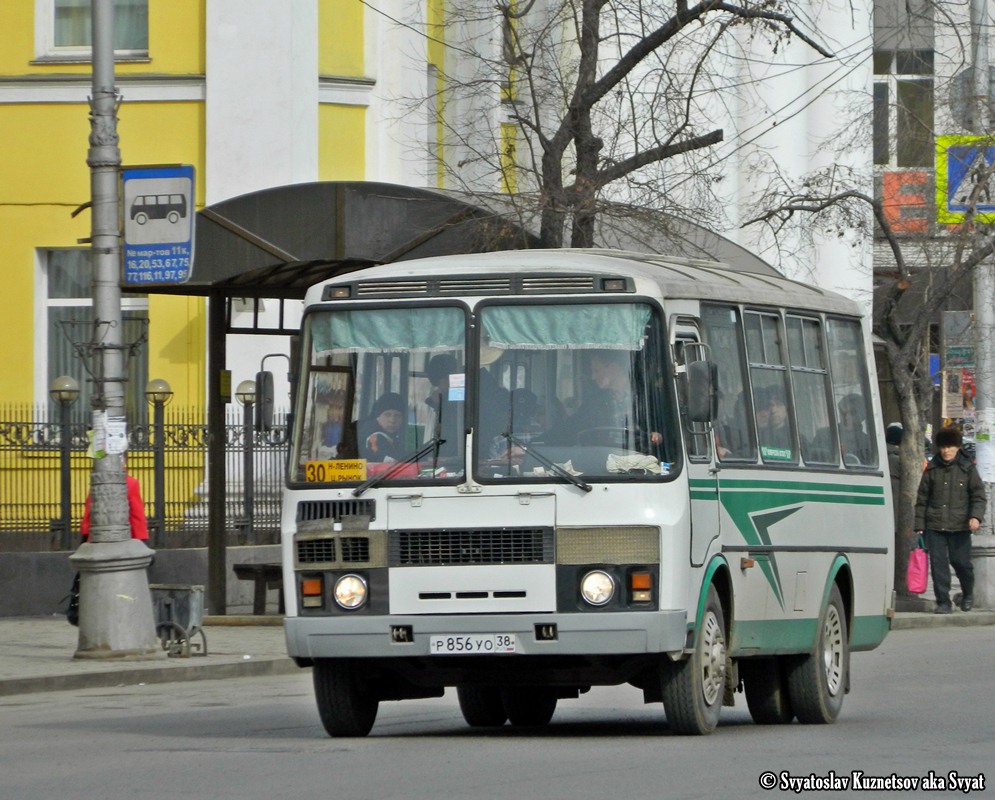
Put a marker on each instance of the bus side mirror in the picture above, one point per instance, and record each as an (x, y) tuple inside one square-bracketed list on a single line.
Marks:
[(264, 401), (702, 399)]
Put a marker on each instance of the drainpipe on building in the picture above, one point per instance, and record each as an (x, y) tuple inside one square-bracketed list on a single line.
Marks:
[(116, 617), (983, 544)]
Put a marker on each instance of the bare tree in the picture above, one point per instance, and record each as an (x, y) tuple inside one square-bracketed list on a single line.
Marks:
[(908, 300), (598, 94)]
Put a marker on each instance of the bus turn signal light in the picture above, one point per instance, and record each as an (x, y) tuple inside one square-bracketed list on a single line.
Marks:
[(312, 592), (641, 584)]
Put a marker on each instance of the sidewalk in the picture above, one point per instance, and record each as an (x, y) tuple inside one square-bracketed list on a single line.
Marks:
[(36, 653)]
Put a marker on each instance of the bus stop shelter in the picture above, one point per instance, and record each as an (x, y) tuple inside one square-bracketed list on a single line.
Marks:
[(277, 242)]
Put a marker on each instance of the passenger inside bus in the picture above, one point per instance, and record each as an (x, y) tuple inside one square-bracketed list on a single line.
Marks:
[(447, 410), (494, 400), (608, 414), (855, 442), (382, 435)]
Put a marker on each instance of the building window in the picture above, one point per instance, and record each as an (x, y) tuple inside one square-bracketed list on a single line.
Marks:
[(69, 328), (63, 28), (903, 83)]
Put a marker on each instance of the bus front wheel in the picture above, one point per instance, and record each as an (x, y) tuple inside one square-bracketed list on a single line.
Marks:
[(693, 688), (346, 704), (481, 706), (817, 681)]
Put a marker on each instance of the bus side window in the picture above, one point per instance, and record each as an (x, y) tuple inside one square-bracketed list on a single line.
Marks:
[(810, 381), (851, 393), (735, 438), (769, 375)]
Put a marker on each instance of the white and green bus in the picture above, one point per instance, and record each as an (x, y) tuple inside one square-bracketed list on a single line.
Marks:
[(525, 474)]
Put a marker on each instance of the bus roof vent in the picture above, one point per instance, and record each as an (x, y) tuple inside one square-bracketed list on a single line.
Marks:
[(495, 285), (391, 288), (469, 285), (543, 284)]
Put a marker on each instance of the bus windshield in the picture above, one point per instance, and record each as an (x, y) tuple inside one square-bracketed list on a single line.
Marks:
[(557, 392), (571, 389), (379, 385)]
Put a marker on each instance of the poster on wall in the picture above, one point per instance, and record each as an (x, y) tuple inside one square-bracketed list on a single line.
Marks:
[(984, 424)]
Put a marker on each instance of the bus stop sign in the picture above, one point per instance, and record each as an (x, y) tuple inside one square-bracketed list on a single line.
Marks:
[(158, 212)]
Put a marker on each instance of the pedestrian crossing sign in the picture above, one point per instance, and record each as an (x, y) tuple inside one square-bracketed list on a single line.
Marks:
[(965, 178)]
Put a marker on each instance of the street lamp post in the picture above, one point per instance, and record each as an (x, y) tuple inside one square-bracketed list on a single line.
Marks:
[(159, 393), (115, 610), (245, 393), (64, 391)]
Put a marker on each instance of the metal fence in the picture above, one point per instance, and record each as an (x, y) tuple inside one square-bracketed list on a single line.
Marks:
[(31, 448)]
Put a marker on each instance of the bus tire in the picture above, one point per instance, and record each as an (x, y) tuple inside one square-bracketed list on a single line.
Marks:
[(481, 706), (817, 681), (528, 706), (767, 695), (346, 705), (693, 689)]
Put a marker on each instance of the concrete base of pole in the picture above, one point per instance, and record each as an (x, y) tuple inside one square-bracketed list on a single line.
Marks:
[(983, 558), (115, 611)]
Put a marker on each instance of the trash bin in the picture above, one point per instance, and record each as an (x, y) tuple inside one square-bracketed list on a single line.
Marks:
[(179, 614)]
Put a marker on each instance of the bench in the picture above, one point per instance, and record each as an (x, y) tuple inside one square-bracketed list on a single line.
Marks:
[(265, 576)]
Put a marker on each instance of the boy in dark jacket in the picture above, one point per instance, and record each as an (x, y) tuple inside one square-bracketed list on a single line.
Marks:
[(949, 508)]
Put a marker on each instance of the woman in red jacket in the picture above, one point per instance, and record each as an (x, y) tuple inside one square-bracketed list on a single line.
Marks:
[(136, 512)]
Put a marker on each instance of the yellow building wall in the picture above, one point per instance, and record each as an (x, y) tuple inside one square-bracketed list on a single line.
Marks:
[(44, 161), (340, 38), (17, 20), (341, 143), (176, 41), (436, 17)]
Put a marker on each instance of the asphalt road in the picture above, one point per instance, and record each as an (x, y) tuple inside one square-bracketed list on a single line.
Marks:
[(920, 704)]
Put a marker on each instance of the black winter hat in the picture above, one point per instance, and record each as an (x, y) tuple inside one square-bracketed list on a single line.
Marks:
[(948, 437)]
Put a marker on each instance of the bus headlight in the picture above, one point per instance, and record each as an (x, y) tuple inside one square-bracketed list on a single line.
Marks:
[(350, 592), (597, 587)]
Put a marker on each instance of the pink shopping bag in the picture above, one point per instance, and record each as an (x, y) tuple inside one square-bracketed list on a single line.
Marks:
[(918, 570)]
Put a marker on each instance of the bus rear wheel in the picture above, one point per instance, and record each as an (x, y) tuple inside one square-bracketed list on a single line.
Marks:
[(693, 689), (481, 706), (767, 696), (528, 706), (346, 704), (817, 681)]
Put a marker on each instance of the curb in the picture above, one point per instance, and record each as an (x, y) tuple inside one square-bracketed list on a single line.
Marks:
[(142, 675), (958, 619)]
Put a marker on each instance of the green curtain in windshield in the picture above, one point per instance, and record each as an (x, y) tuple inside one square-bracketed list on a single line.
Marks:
[(387, 330), (605, 325)]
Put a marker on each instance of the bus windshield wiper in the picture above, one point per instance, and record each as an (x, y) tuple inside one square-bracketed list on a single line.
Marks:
[(432, 444), (547, 462)]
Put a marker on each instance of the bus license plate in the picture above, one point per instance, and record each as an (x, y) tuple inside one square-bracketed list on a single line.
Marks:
[(471, 644)]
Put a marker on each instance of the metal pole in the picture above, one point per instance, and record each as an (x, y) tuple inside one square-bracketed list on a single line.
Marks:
[(247, 469), (159, 469), (115, 603), (217, 524), (65, 476), (984, 281)]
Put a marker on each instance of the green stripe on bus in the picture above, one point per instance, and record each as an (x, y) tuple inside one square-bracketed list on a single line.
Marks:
[(770, 637), (868, 632), (736, 483)]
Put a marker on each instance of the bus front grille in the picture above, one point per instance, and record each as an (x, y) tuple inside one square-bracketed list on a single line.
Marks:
[(408, 548), (334, 510)]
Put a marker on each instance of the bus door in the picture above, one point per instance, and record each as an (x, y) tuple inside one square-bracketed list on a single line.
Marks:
[(703, 481)]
